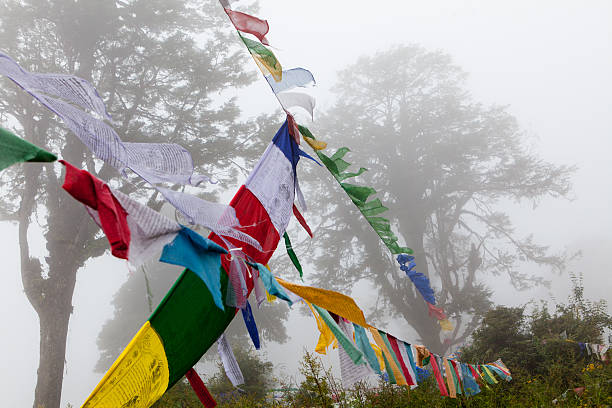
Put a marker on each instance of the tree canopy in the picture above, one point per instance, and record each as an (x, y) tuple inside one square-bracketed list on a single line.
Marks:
[(444, 163)]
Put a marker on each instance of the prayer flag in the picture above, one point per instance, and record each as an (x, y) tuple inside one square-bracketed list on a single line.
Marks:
[(264, 204), (249, 24), (297, 99), (265, 59), (95, 194), (292, 78), (14, 149)]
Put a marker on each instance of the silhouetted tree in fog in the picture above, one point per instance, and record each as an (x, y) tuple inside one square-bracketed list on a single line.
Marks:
[(442, 162)]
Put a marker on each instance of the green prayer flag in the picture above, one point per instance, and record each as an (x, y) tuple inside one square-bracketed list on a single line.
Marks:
[(14, 149), (359, 195), (293, 256), (264, 57), (351, 349)]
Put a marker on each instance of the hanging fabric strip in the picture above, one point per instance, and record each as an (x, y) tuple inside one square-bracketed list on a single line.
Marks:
[(500, 365), (401, 380), (484, 373), (326, 337), (413, 368), (489, 373), (200, 389), (94, 193), (150, 231), (389, 360), (249, 321), (292, 255), (297, 99), (14, 149), (232, 370), (271, 285), (362, 341), (470, 386), (350, 373), (456, 376), (201, 256), (292, 78), (396, 350), (249, 24), (351, 349), (438, 377), (450, 384), (301, 220), (265, 59), (335, 302)]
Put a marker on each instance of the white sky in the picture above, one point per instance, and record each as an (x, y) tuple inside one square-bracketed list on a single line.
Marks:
[(550, 61)]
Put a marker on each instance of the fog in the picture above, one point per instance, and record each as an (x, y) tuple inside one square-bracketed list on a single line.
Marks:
[(550, 62)]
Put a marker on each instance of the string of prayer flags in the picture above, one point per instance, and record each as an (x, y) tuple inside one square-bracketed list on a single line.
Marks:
[(372, 210), (359, 195), (95, 194), (187, 321), (73, 98), (291, 78), (184, 325), (14, 149)]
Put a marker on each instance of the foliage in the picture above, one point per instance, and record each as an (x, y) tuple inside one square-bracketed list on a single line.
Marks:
[(534, 345), (257, 372)]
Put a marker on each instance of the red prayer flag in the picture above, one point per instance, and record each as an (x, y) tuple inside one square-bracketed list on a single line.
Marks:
[(436, 311), (438, 375), (249, 24), (301, 220), (200, 389), (94, 193), (398, 354)]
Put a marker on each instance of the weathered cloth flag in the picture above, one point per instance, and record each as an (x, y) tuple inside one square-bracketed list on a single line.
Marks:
[(14, 149), (249, 24), (265, 59), (292, 78)]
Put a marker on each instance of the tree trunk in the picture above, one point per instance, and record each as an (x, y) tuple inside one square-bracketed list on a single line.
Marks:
[(54, 317)]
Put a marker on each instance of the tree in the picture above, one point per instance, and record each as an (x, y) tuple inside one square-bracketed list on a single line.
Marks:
[(158, 65), (536, 344), (444, 163)]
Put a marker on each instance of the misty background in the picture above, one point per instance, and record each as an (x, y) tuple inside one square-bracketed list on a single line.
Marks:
[(549, 62)]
